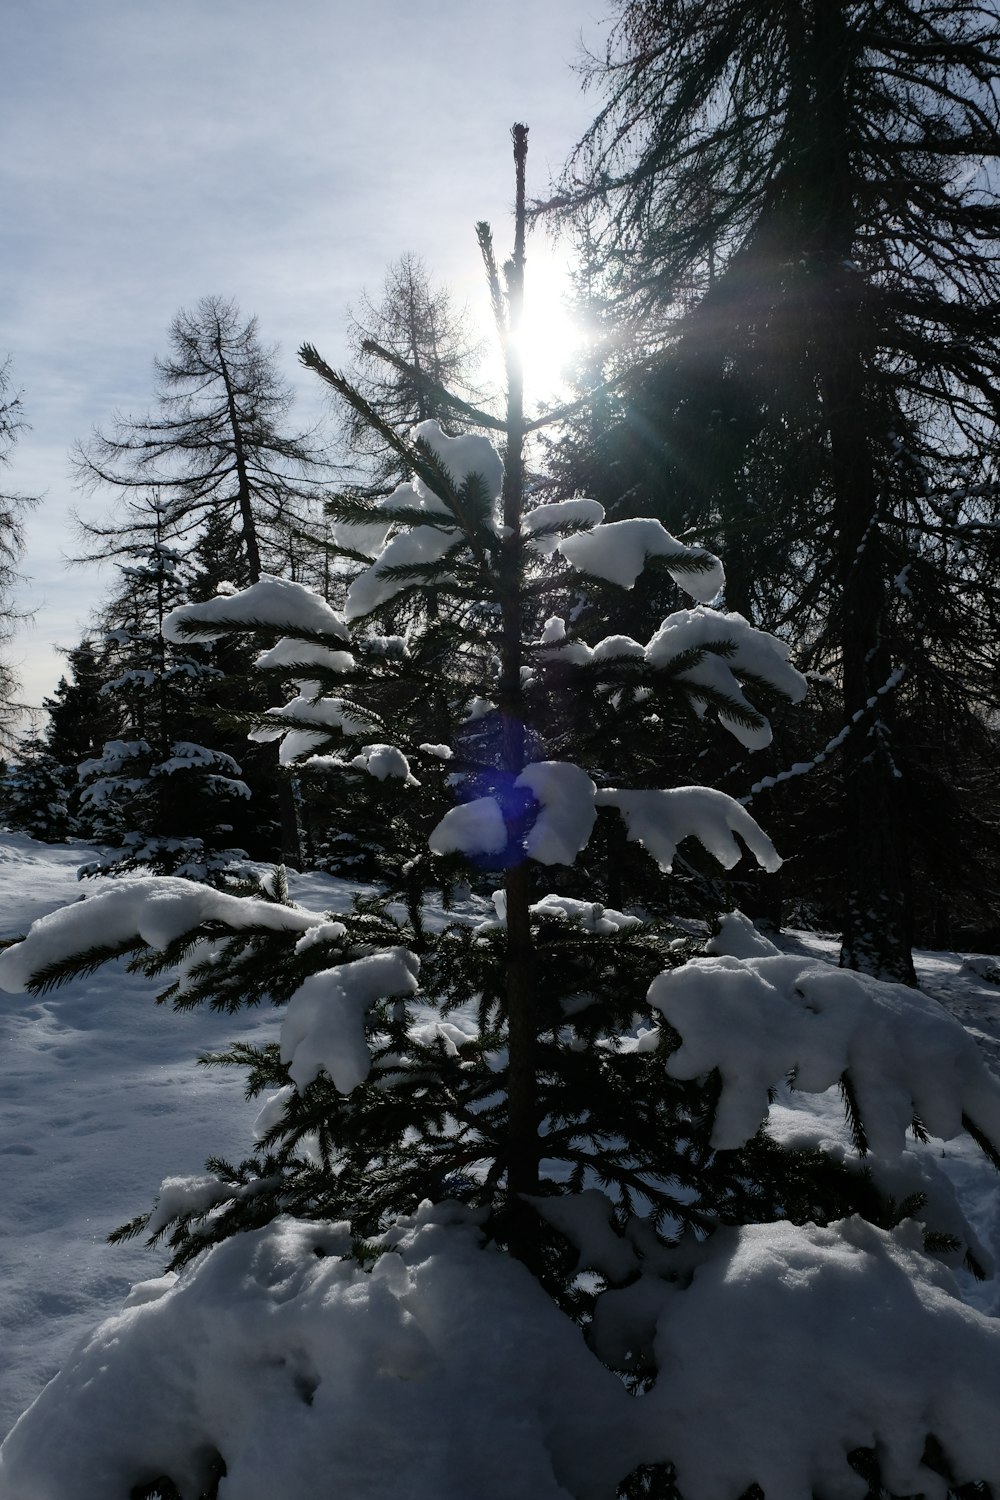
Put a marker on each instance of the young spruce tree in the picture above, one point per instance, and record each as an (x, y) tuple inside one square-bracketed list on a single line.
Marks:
[(555, 1084)]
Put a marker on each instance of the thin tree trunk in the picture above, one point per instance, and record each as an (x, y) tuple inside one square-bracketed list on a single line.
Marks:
[(243, 495), (523, 1121)]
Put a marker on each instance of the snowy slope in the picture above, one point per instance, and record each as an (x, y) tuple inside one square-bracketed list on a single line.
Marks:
[(101, 1098)]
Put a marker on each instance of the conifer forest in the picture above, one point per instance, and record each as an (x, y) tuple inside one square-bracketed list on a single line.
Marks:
[(556, 842)]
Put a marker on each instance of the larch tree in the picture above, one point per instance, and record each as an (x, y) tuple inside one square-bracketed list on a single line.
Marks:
[(433, 353), (12, 511), (217, 445), (799, 199)]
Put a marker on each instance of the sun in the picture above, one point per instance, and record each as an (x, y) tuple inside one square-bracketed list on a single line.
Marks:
[(550, 335)]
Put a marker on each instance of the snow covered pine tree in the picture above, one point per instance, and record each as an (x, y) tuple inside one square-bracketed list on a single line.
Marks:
[(540, 1206), (160, 798)]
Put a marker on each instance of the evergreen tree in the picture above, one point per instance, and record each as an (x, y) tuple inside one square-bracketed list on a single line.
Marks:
[(800, 201), (159, 796), (557, 1075), (37, 791), (81, 716)]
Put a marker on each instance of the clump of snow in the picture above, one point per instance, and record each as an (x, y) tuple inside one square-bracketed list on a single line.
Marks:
[(417, 547), (660, 820), (472, 828), (368, 538), (272, 1110), (439, 752), (566, 818), (739, 938), (292, 653), (592, 916), (733, 648), (271, 601), (115, 755), (278, 1352), (462, 456), (328, 714), (325, 932), (140, 911), (554, 643), (543, 524), (759, 1020), (859, 1325), (385, 762), (324, 1024), (451, 1036), (620, 550), (187, 1195)]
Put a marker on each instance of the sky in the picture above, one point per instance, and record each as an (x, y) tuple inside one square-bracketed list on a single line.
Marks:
[(283, 156)]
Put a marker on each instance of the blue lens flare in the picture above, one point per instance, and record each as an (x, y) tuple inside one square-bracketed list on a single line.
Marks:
[(481, 747)]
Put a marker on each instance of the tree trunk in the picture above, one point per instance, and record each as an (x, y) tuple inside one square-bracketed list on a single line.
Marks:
[(243, 495), (876, 936), (523, 1144)]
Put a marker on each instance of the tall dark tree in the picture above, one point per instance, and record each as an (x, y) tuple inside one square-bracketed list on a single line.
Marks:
[(81, 716), (799, 200), (218, 444)]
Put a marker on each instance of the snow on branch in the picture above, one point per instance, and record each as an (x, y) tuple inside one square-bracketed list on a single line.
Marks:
[(562, 827), (761, 1020), (730, 649), (293, 654), (474, 472), (153, 913), (421, 546), (619, 550), (270, 602), (298, 737), (324, 1025), (660, 820)]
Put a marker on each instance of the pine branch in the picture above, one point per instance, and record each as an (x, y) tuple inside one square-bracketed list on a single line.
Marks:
[(852, 1111), (983, 1141), (484, 234), (412, 372)]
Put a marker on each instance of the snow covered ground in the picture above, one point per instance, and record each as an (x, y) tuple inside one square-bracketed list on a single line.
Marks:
[(101, 1097)]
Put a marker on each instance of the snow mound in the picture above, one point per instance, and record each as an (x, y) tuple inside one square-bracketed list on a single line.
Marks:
[(291, 1363), (858, 1324)]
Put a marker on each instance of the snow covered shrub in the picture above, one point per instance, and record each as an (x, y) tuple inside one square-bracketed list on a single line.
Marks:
[(536, 1208)]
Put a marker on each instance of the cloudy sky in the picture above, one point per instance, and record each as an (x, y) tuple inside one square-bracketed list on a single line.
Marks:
[(156, 153)]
